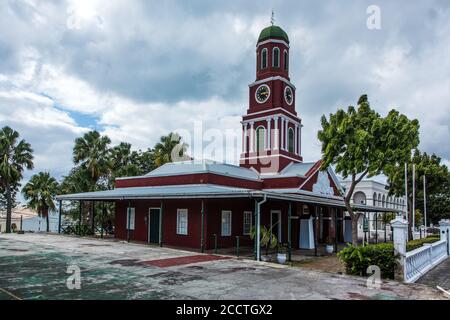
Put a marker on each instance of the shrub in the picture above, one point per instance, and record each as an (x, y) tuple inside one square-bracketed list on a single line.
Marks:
[(414, 244), (358, 259)]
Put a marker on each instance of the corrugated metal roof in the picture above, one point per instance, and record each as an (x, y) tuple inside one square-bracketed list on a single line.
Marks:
[(200, 191), (173, 191), (292, 170), (201, 166)]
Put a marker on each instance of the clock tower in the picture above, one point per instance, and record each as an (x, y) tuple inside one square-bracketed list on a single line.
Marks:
[(271, 129)]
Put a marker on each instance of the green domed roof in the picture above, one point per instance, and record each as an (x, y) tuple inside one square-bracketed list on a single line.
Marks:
[(273, 32)]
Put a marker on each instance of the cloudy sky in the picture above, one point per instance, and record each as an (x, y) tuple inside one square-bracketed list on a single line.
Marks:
[(136, 70)]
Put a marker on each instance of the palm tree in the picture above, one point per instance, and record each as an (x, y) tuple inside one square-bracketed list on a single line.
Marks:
[(169, 149), (40, 192), (92, 152), (15, 156)]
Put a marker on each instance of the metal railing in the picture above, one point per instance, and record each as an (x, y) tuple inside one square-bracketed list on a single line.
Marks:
[(419, 261)]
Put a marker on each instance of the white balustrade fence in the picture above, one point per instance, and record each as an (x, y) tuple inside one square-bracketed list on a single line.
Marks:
[(419, 261)]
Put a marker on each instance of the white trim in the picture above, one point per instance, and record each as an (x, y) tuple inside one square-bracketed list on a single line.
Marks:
[(293, 140), (148, 220), (267, 58), (296, 139), (252, 137), (264, 137), (271, 41), (256, 92), (182, 211), (221, 223), (273, 57), (270, 110), (279, 115), (269, 134), (243, 222), (284, 59), (276, 135), (271, 156), (282, 132), (271, 79), (292, 95)]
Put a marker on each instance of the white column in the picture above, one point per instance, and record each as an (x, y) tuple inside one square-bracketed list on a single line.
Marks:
[(245, 138), (296, 139), (275, 134), (300, 139), (400, 236), (286, 134), (282, 134), (269, 134), (252, 138)]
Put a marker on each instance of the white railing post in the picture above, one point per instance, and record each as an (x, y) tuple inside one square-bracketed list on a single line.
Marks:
[(444, 227), (400, 229)]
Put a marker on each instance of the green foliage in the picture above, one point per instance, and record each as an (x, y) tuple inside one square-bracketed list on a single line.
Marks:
[(40, 193), (267, 240), (359, 142), (15, 156), (437, 184), (91, 152), (358, 259), (414, 244), (170, 148)]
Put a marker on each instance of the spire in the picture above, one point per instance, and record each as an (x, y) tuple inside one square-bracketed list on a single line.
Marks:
[(272, 18)]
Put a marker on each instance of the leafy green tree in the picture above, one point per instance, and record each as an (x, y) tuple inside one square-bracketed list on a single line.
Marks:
[(169, 149), (15, 156), (361, 143), (437, 184), (40, 193)]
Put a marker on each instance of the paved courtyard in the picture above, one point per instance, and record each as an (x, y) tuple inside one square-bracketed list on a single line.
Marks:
[(34, 266)]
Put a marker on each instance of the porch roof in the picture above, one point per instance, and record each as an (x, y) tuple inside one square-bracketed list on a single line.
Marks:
[(199, 191), (161, 192)]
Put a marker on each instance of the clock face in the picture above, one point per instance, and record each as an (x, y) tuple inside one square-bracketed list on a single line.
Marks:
[(288, 95), (262, 93)]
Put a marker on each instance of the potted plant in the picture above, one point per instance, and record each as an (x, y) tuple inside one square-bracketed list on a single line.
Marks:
[(268, 240), (329, 247), (282, 253)]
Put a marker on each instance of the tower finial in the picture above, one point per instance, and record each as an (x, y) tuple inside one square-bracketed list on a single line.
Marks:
[(272, 19)]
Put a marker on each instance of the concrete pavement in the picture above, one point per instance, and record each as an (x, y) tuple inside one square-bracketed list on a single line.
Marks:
[(34, 266)]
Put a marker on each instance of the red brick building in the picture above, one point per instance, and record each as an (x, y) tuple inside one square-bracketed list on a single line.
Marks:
[(198, 203)]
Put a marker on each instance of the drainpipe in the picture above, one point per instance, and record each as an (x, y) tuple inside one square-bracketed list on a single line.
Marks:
[(258, 227)]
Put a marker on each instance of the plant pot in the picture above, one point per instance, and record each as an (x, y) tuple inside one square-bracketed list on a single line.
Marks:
[(329, 248), (281, 258)]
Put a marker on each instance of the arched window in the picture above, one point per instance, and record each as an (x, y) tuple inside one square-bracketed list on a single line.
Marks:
[(374, 199), (264, 58), (383, 203), (286, 60), (359, 197), (260, 138), (276, 57), (379, 199), (291, 140)]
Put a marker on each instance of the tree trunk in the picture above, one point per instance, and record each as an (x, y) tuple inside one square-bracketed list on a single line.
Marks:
[(354, 218), (355, 231), (47, 219), (8, 209)]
